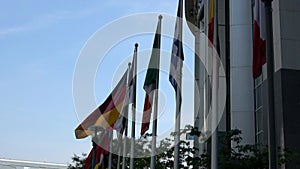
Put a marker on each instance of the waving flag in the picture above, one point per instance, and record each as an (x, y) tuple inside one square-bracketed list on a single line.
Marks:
[(177, 53), (106, 114), (151, 80), (259, 38)]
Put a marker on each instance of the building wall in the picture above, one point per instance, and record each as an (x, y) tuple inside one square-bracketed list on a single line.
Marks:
[(286, 35), (20, 164), (286, 42), (242, 97)]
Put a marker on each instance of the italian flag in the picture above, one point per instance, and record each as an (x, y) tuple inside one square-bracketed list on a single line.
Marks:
[(151, 80)]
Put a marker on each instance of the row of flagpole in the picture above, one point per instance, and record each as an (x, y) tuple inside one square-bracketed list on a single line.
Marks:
[(151, 100), (176, 81), (151, 88)]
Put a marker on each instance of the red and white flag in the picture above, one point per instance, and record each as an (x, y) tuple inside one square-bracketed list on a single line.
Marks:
[(259, 38)]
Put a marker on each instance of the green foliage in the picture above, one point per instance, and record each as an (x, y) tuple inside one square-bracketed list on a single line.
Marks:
[(77, 162), (236, 156), (287, 155), (241, 156)]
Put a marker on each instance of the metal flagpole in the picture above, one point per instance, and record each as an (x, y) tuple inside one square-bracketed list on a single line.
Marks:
[(198, 89), (178, 95), (154, 132), (126, 125), (228, 66), (205, 74), (177, 126), (215, 82), (270, 76), (100, 139), (134, 79), (197, 94), (110, 150), (94, 154), (94, 150), (120, 150), (154, 126), (125, 147), (94, 142)]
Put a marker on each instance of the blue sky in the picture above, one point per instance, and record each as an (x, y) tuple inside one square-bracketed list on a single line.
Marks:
[(40, 42)]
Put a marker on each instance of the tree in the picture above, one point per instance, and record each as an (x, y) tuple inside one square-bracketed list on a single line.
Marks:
[(77, 162), (239, 156)]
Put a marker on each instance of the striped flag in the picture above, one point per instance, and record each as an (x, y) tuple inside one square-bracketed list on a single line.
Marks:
[(259, 38), (211, 28), (177, 56), (151, 80), (121, 124), (132, 78), (130, 97), (211, 22), (106, 114), (175, 77)]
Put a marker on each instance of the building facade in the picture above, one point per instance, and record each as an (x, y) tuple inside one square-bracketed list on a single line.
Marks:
[(286, 43), (247, 103), (21, 164)]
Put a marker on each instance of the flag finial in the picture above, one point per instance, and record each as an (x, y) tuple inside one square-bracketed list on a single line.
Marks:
[(136, 45), (160, 17)]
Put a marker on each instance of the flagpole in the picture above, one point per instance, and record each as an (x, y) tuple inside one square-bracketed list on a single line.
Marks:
[(125, 146), (198, 103), (126, 125), (177, 127), (120, 150), (270, 75), (215, 82), (154, 132), (110, 150), (99, 141), (133, 107), (94, 143), (197, 96), (178, 95), (94, 152), (154, 126)]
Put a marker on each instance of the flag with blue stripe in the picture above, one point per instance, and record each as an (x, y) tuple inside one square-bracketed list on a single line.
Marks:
[(177, 53)]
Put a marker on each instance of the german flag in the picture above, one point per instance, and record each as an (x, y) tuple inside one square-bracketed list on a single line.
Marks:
[(213, 35), (106, 114), (211, 21)]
